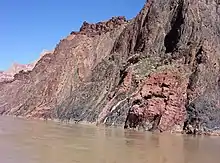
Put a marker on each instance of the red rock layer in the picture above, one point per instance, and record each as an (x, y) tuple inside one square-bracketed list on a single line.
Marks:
[(162, 94)]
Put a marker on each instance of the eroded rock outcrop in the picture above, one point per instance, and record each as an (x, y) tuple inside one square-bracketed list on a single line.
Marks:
[(162, 67), (101, 27), (161, 100)]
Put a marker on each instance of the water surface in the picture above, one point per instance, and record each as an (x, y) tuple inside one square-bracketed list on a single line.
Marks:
[(30, 141)]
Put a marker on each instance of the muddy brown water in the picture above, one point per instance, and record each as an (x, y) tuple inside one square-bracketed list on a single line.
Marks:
[(32, 141)]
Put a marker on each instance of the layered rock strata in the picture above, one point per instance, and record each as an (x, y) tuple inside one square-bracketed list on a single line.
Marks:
[(160, 68)]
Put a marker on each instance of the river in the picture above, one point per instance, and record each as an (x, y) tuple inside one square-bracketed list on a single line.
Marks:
[(32, 141)]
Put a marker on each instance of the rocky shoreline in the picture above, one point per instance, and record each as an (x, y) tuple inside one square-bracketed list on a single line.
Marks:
[(178, 129)]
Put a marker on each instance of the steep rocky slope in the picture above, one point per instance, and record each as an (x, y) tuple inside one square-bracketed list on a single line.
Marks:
[(162, 67), (56, 74)]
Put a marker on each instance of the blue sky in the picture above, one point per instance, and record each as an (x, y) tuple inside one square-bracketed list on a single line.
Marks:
[(30, 26)]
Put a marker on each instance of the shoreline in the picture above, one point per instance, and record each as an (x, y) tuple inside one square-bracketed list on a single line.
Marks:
[(71, 122)]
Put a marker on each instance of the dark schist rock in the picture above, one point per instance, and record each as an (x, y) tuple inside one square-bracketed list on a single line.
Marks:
[(159, 71)]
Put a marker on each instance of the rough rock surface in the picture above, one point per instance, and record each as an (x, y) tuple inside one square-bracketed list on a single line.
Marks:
[(161, 67), (56, 75), (101, 27), (162, 96)]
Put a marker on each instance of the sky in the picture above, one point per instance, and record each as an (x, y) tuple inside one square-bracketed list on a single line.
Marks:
[(27, 27)]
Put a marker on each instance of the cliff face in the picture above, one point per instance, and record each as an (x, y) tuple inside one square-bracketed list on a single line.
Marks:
[(161, 69), (36, 93)]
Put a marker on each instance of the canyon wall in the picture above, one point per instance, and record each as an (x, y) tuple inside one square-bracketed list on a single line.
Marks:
[(160, 68)]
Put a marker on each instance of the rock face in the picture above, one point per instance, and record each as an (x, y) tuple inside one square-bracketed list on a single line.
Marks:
[(161, 68), (101, 27), (161, 98), (56, 75)]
